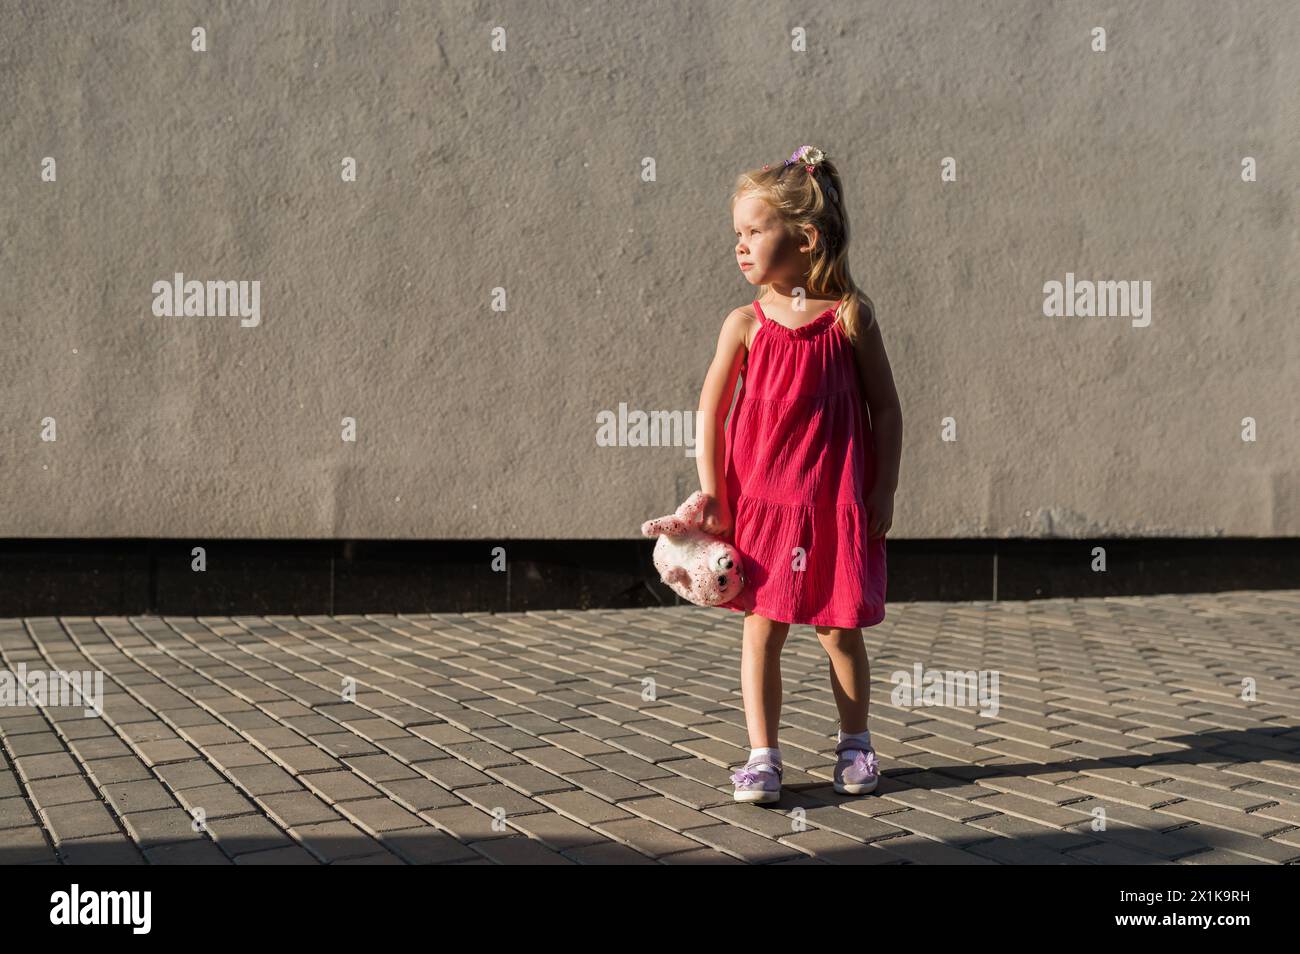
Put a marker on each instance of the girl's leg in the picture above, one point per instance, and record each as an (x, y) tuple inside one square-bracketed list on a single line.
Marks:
[(760, 677), (850, 675)]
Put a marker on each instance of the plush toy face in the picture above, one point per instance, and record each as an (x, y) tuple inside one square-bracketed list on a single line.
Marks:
[(727, 576)]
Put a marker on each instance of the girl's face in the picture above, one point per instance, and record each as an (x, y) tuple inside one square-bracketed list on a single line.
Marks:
[(765, 252)]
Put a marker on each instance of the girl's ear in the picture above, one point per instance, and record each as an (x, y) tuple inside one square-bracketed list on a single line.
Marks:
[(810, 239)]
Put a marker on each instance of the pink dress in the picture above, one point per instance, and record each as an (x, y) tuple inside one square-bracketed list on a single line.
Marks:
[(799, 461)]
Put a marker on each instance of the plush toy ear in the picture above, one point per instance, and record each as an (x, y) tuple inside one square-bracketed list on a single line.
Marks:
[(671, 525), (692, 508), (679, 576)]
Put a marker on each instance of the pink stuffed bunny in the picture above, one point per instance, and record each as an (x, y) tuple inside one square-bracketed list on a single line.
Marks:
[(697, 566)]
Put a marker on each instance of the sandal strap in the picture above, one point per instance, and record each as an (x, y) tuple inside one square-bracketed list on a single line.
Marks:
[(848, 745)]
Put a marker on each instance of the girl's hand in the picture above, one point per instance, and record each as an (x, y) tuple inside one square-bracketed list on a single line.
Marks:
[(716, 518), (880, 511)]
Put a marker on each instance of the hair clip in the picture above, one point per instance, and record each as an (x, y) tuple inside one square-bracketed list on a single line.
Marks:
[(797, 154)]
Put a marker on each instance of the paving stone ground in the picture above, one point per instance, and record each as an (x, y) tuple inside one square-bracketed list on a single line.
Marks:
[(1145, 730)]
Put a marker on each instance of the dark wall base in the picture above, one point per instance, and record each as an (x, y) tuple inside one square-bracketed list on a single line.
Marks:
[(260, 577)]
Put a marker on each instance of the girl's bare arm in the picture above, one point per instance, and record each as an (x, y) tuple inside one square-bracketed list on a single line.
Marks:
[(882, 401), (715, 402)]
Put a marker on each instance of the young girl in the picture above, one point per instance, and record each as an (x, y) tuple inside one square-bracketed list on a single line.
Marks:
[(804, 487)]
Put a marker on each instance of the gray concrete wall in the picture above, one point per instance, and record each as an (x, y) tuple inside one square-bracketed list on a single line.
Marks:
[(515, 177)]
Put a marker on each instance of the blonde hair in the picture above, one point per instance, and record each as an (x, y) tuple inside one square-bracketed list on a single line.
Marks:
[(816, 198)]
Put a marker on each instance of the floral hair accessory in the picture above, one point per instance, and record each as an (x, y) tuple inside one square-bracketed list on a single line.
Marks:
[(810, 155)]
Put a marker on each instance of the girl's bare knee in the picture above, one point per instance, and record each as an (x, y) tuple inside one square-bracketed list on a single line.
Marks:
[(838, 638), (765, 634)]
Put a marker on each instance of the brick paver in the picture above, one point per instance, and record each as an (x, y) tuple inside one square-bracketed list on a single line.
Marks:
[(1136, 730)]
